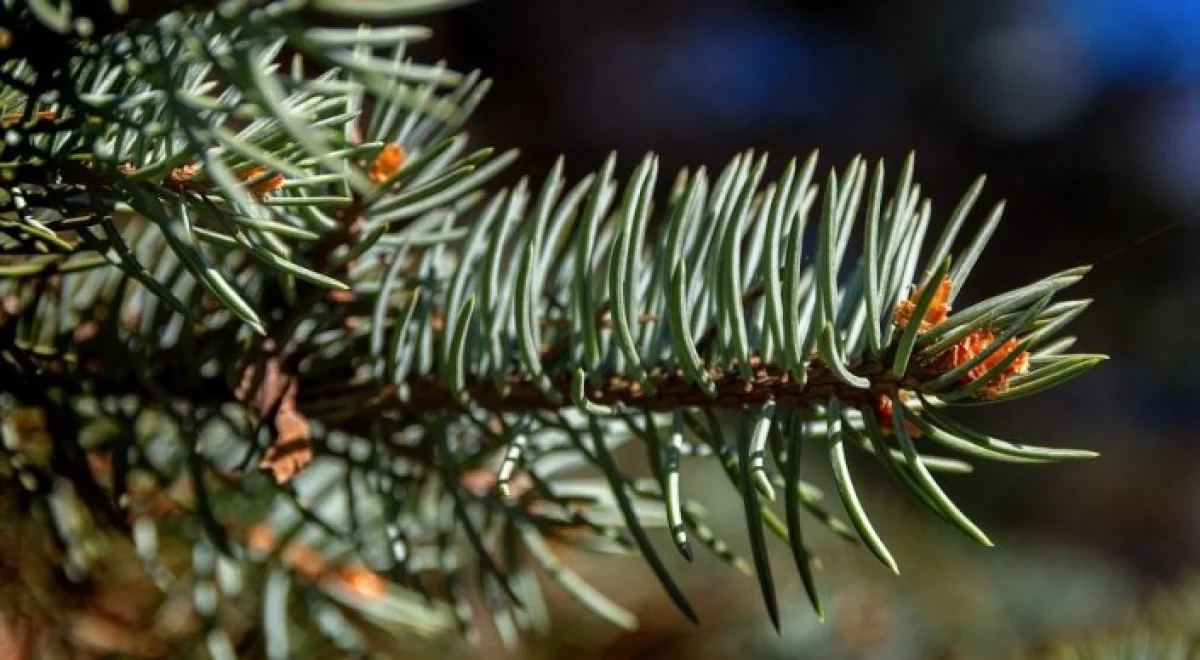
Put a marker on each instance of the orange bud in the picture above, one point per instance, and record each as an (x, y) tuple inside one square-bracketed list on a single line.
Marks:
[(262, 188), (261, 539), (183, 173), (883, 416), (15, 117), (388, 162), (938, 310), (364, 582), (975, 343)]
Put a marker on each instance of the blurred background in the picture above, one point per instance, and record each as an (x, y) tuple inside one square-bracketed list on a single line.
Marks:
[(1084, 114)]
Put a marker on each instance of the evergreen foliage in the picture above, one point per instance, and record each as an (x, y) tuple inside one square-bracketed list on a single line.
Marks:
[(229, 238), (1165, 626)]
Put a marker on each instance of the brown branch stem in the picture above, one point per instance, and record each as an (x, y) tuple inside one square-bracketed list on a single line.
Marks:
[(671, 390)]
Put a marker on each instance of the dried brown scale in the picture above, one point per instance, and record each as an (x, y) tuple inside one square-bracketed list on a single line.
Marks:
[(271, 393)]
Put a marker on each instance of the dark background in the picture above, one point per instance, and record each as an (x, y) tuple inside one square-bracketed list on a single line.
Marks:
[(1084, 114)]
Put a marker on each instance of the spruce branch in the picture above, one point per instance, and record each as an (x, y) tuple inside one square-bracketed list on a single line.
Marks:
[(211, 260)]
